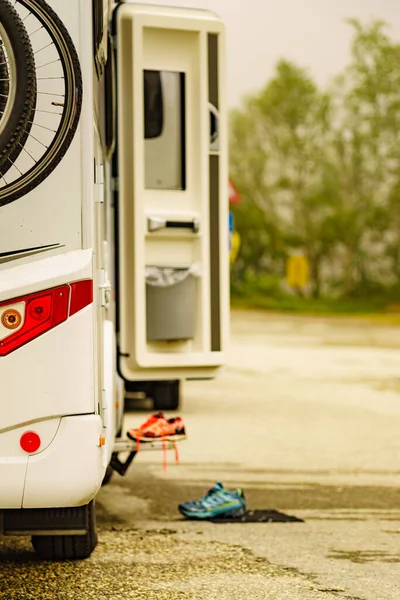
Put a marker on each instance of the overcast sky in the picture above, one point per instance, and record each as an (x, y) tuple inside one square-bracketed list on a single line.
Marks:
[(310, 32)]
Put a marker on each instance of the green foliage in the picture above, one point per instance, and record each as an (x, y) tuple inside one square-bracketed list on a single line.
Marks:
[(319, 171), (266, 293)]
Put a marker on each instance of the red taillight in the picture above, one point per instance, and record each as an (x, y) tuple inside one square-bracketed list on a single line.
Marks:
[(81, 295), (24, 319), (30, 442), (39, 309), (43, 311)]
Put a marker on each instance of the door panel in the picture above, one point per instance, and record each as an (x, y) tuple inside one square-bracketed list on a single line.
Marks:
[(173, 198)]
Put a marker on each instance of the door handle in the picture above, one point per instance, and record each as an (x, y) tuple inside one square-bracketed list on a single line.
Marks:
[(156, 224)]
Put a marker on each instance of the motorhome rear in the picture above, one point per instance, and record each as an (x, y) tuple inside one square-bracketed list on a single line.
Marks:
[(113, 175)]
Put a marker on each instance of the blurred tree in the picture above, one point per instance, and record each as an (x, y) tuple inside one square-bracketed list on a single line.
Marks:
[(278, 164), (320, 172), (367, 158)]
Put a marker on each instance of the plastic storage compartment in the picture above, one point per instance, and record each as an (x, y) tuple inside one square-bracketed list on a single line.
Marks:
[(170, 303)]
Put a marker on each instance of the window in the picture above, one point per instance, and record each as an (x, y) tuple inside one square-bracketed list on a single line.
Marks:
[(153, 105), (164, 130)]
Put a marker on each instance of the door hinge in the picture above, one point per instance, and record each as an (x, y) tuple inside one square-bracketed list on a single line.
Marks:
[(99, 181), (104, 289), (99, 174)]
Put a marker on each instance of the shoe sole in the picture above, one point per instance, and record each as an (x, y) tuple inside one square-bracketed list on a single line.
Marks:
[(234, 512), (167, 438)]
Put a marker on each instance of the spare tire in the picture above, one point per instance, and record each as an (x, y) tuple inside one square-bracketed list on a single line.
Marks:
[(17, 85), (70, 106)]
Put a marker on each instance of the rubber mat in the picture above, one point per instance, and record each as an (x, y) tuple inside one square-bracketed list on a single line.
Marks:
[(258, 516)]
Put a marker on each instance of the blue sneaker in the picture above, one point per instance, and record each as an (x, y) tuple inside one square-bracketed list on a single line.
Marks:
[(218, 501)]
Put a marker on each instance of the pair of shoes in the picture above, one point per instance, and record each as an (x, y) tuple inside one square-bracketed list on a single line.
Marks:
[(158, 427), (218, 501)]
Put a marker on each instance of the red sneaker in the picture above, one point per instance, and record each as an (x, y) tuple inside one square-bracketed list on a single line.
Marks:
[(138, 432), (158, 427)]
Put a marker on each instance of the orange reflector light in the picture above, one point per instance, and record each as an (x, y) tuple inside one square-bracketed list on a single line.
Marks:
[(30, 442), (102, 440), (11, 319)]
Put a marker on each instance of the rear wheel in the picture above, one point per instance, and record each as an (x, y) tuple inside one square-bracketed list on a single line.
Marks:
[(68, 547)]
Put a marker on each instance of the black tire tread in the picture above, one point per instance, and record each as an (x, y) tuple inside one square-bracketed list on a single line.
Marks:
[(68, 547)]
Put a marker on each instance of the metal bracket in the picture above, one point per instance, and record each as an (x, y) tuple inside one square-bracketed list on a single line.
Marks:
[(99, 181), (118, 465), (99, 174), (126, 445), (104, 289)]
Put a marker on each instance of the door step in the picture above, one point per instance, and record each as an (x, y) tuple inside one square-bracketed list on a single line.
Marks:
[(125, 445)]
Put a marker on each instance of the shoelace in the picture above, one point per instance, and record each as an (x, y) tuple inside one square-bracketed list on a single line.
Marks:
[(165, 455), (165, 449)]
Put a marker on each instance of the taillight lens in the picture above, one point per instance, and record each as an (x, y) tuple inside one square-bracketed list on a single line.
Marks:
[(81, 295), (43, 311), (24, 319)]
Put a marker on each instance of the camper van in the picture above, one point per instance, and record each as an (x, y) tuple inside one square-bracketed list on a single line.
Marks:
[(113, 242)]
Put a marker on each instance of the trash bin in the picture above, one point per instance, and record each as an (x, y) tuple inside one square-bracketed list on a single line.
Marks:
[(170, 303)]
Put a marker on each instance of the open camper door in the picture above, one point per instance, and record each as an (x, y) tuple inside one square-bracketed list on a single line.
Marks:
[(173, 243)]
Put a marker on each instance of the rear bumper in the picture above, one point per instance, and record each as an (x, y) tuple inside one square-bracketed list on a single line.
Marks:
[(68, 472)]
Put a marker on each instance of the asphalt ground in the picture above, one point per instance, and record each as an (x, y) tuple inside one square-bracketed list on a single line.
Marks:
[(306, 418)]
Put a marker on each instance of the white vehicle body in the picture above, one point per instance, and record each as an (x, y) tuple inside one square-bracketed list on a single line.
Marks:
[(65, 385), (53, 384)]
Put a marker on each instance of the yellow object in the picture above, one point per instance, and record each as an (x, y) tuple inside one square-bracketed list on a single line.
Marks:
[(297, 271), (235, 246)]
